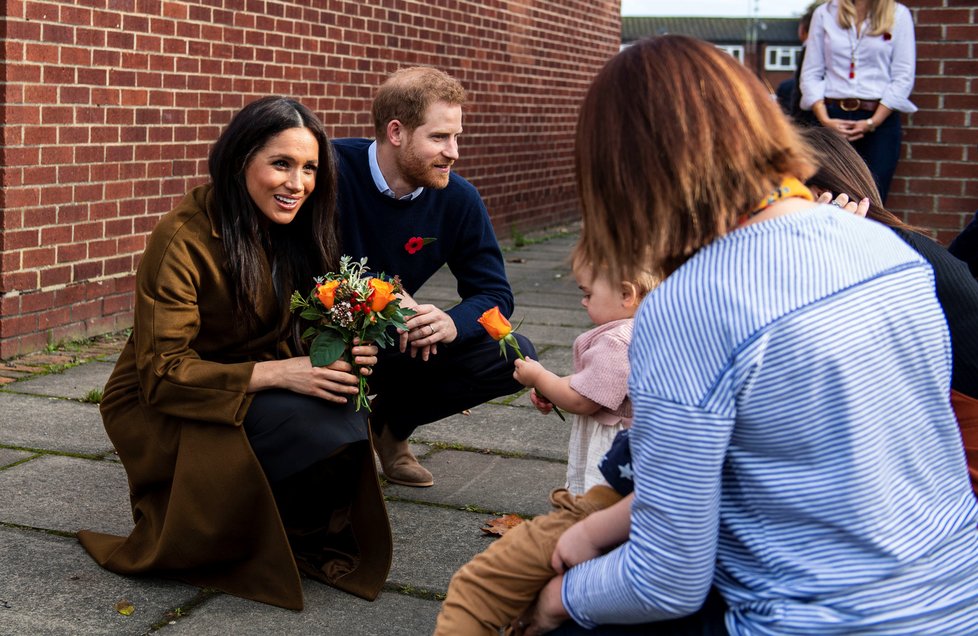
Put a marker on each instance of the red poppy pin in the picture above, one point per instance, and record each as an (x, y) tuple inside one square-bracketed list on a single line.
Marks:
[(887, 36), (415, 243)]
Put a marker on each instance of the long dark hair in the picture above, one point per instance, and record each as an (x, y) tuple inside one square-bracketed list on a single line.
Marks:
[(842, 171), (296, 252)]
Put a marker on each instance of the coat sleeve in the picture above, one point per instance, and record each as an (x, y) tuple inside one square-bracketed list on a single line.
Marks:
[(176, 270)]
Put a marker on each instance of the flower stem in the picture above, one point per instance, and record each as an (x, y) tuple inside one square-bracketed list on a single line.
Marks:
[(512, 343)]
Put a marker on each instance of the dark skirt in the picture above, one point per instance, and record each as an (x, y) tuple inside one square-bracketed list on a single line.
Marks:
[(289, 432)]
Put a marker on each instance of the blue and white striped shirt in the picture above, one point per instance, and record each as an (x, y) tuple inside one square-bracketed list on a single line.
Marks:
[(793, 443)]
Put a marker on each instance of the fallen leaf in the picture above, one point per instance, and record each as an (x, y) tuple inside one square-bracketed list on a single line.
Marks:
[(501, 525), (466, 412), (125, 607)]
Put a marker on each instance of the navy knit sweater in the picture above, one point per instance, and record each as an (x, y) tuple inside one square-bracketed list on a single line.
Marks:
[(379, 227)]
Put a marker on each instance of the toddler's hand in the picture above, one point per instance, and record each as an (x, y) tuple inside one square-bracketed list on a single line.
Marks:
[(543, 405), (574, 546), (527, 371)]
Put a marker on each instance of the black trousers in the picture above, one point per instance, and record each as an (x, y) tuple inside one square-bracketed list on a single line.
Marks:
[(290, 432), (411, 392), (880, 149)]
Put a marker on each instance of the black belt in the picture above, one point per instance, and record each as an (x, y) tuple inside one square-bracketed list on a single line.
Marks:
[(850, 104)]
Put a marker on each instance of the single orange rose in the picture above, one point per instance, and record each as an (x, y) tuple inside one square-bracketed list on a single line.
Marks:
[(382, 295), (326, 293), (495, 323)]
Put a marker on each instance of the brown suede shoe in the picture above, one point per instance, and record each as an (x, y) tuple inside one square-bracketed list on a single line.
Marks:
[(399, 465)]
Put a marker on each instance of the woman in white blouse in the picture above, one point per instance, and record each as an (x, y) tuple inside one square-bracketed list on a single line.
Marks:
[(858, 70)]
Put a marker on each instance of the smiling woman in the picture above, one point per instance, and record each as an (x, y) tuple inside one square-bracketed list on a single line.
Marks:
[(246, 464), (282, 175)]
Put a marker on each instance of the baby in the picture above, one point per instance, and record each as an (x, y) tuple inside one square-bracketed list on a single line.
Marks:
[(597, 392)]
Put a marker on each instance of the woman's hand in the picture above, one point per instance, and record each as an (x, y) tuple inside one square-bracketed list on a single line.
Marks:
[(843, 201), (332, 383), (543, 405), (364, 356), (842, 126), (527, 371)]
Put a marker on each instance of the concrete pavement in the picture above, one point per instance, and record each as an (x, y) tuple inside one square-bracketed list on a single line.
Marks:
[(58, 474)]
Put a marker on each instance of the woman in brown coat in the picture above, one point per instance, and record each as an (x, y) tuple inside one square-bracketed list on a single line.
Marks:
[(246, 464)]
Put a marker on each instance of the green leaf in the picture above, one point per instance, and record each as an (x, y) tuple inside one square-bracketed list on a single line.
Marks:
[(311, 314), (326, 349)]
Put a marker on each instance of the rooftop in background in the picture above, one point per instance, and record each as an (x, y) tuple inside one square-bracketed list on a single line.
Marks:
[(716, 8), (770, 30)]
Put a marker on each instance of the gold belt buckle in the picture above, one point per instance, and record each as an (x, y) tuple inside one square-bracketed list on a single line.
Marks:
[(844, 104)]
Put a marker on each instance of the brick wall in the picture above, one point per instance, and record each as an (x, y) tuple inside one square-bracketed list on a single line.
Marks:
[(109, 108), (936, 183)]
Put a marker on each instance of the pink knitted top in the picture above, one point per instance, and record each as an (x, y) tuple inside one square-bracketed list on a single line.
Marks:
[(601, 370)]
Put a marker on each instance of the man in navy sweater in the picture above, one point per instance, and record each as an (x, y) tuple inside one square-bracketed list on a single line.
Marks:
[(401, 206)]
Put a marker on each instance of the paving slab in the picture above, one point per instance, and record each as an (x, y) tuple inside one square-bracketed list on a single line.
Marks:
[(466, 478), (536, 315), (541, 335), (506, 429), (431, 543), (10, 456), (66, 494), (51, 424), (50, 586), (530, 297), (327, 611), (74, 383), (558, 359)]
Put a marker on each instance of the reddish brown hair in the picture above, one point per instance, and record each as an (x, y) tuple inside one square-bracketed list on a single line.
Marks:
[(675, 141), (407, 93)]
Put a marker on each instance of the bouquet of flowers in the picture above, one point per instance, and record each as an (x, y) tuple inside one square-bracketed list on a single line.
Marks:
[(348, 304)]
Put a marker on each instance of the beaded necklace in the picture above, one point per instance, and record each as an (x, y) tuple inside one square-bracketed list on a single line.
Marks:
[(854, 45)]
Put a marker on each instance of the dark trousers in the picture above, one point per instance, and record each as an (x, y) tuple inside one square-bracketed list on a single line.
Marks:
[(708, 621), (290, 432), (411, 392), (880, 149)]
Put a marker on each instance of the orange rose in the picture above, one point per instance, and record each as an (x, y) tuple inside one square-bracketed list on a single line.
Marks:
[(326, 293), (382, 295), (495, 323)]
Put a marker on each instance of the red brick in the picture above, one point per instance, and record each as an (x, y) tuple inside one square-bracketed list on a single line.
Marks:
[(42, 53), (57, 33), (37, 258), (937, 153), (963, 33), (959, 170), (55, 276)]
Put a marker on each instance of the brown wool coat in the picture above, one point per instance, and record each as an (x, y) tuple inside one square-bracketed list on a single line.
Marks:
[(173, 407)]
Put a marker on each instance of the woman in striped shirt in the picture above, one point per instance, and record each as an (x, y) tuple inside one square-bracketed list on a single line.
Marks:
[(793, 446)]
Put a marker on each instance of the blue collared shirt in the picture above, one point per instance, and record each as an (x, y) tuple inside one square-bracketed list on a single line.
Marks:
[(379, 179)]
